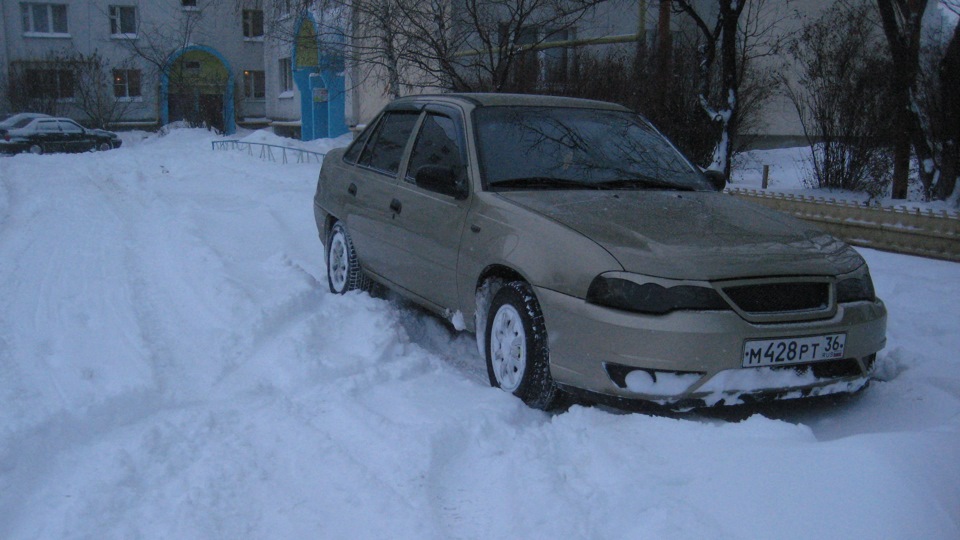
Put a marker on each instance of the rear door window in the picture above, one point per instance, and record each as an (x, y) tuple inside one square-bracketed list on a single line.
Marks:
[(48, 126), (353, 152), (384, 152)]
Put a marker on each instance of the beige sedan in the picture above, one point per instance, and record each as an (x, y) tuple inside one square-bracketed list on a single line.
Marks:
[(590, 257)]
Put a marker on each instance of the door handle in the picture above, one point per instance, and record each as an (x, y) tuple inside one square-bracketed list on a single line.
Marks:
[(352, 189), (396, 206)]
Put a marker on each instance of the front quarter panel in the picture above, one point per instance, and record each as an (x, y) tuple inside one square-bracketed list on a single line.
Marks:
[(545, 253)]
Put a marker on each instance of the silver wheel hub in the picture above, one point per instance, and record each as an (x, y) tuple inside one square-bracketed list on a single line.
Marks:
[(337, 266), (508, 348)]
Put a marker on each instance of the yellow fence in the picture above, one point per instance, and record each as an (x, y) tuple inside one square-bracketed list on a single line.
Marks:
[(901, 230)]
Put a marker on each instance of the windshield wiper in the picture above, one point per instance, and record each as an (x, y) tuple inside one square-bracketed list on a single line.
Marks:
[(543, 182), (641, 183)]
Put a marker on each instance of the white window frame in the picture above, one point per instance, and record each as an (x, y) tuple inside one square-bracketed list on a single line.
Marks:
[(286, 77), (248, 26), (30, 23), (121, 78), (116, 22), (250, 85), (58, 84)]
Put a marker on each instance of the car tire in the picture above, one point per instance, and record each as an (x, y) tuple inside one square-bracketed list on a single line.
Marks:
[(104, 146), (343, 270), (518, 358), (35, 149)]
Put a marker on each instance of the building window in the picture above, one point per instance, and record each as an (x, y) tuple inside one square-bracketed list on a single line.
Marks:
[(123, 20), (252, 23), (547, 66), (556, 60), (126, 83), (50, 83), (286, 75), (44, 18), (254, 85)]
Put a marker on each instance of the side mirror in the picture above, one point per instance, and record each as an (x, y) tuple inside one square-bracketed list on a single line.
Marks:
[(716, 178), (440, 179)]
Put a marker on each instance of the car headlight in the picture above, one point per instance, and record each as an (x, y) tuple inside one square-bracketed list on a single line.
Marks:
[(856, 287), (652, 298)]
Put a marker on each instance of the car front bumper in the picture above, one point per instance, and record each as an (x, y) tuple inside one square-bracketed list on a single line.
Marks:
[(688, 359)]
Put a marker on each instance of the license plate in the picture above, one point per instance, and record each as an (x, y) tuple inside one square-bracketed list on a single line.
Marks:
[(776, 352)]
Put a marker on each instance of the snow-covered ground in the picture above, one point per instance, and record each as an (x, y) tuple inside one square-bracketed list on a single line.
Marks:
[(172, 366), (789, 172)]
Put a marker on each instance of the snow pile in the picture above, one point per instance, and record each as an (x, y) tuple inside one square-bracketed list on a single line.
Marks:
[(172, 366)]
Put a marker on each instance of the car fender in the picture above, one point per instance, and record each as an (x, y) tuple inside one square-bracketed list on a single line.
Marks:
[(501, 236), (328, 200)]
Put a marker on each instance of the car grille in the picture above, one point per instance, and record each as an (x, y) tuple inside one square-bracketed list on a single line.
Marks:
[(780, 297)]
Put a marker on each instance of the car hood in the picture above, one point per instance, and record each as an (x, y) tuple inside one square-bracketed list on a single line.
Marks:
[(693, 235)]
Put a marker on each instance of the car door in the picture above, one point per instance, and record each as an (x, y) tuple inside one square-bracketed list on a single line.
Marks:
[(48, 135), (74, 137), (369, 187), (428, 224)]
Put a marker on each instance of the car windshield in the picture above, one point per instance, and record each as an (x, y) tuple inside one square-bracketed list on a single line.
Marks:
[(564, 148)]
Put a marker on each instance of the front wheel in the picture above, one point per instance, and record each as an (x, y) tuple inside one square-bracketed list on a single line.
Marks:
[(104, 146), (343, 270), (518, 358)]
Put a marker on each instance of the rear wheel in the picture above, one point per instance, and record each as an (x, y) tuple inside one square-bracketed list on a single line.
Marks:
[(343, 270), (36, 149), (518, 359)]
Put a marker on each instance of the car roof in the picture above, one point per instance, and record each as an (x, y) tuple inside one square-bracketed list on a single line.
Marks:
[(13, 118), (506, 100)]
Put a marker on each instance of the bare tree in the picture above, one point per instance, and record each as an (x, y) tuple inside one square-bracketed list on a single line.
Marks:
[(902, 25), (462, 45), (41, 86), (842, 97), (176, 30), (741, 33), (94, 93), (68, 82), (949, 72)]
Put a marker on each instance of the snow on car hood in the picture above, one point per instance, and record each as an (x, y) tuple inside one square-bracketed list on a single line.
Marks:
[(693, 235)]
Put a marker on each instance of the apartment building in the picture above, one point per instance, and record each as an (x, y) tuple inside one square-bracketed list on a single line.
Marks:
[(139, 62)]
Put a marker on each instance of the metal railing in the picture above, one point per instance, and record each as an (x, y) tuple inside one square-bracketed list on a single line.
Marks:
[(270, 152), (926, 233)]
